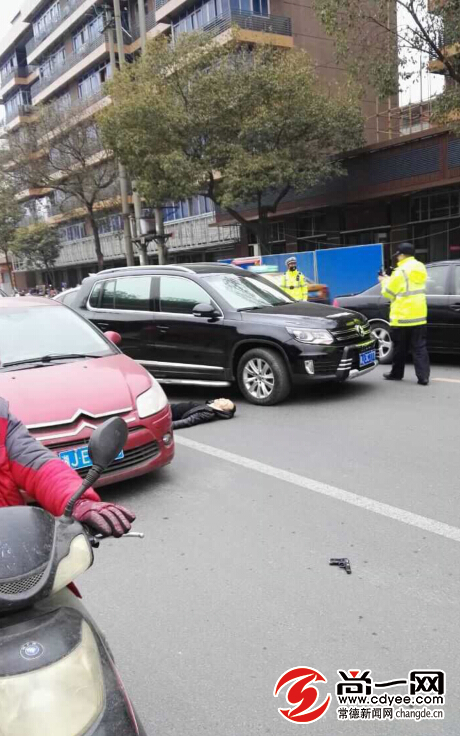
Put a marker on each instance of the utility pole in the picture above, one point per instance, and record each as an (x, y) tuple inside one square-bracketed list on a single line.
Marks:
[(142, 26), (139, 240), (160, 237), (142, 245), (121, 169)]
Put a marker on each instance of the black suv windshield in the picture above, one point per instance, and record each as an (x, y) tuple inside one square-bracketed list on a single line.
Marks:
[(247, 292), (32, 333)]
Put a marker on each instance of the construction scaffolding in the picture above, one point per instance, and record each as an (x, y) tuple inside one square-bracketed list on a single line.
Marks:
[(395, 122)]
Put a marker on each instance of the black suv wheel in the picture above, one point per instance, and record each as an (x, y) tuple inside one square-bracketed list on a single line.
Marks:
[(263, 377), (381, 331)]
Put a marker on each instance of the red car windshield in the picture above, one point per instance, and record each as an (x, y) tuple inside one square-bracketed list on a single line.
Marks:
[(32, 333)]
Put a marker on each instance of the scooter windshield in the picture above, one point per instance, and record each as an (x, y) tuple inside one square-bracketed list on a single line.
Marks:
[(26, 550)]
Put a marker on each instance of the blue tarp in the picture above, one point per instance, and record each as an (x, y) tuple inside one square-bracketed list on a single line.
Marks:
[(349, 270), (346, 270)]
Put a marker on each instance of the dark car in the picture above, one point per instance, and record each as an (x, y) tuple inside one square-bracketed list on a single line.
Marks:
[(443, 297), (212, 324)]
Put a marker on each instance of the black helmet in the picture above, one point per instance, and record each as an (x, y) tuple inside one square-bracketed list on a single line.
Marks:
[(405, 249)]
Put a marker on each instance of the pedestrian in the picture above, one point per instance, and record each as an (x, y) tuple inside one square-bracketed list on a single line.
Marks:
[(294, 282), (188, 413), (406, 290)]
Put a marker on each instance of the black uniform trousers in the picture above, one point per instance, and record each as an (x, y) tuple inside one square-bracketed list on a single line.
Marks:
[(413, 339)]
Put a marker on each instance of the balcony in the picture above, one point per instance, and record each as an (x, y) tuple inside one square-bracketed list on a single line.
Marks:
[(195, 232), (86, 52), (150, 24), (66, 11), (188, 235), (18, 112), (449, 43), (82, 251), (21, 73), (251, 25), (275, 24)]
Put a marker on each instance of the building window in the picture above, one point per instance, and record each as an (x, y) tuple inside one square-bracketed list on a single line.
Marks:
[(198, 16), (46, 19), (12, 105), (88, 32), (52, 62), (93, 80), (8, 66), (276, 232), (110, 224), (435, 206), (257, 7), (76, 231), (191, 207)]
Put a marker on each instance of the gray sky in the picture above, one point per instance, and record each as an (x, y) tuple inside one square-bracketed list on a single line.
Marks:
[(8, 8)]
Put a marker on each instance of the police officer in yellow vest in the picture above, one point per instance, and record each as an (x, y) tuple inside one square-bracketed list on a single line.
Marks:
[(294, 282), (406, 289)]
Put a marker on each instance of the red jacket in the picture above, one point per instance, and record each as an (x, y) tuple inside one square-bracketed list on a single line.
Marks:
[(28, 465)]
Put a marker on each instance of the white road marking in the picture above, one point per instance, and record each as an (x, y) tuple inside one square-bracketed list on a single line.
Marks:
[(447, 380), (369, 504)]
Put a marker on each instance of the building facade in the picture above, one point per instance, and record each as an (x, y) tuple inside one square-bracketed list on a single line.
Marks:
[(405, 189), (57, 51)]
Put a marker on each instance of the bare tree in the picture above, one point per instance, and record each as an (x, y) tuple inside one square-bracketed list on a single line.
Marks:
[(61, 150)]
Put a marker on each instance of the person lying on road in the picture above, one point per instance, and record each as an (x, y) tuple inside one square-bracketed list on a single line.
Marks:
[(25, 464), (189, 413)]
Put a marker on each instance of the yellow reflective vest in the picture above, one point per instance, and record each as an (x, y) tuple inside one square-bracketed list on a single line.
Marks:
[(406, 289), (295, 284)]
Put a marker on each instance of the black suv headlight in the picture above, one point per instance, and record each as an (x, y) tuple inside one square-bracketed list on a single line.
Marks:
[(312, 336)]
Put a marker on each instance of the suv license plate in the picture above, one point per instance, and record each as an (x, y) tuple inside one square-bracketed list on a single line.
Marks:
[(367, 358), (79, 458)]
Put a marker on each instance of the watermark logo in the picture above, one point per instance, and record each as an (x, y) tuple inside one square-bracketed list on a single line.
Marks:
[(302, 695), (360, 697)]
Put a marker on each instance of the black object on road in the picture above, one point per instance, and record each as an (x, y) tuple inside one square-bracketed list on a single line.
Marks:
[(343, 562)]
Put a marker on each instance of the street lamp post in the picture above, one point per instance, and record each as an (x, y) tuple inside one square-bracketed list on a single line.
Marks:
[(121, 169)]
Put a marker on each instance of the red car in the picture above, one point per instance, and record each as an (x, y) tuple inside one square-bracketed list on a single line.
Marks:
[(63, 378)]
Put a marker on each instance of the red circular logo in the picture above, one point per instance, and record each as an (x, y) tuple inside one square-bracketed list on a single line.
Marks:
[(302, 695)]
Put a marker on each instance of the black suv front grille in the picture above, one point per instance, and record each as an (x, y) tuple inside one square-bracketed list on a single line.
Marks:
[(351, 336)]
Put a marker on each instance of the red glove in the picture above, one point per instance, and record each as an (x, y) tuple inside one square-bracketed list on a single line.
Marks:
[(107, 519)]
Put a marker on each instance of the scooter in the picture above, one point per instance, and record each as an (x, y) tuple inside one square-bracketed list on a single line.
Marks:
[(57, 674)]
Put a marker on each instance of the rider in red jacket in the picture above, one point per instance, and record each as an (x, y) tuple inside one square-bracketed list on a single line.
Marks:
[(27, 465)]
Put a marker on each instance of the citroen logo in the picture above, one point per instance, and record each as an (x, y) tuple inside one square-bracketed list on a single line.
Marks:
[(360, 330)]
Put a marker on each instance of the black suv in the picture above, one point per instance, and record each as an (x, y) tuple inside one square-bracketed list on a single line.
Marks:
[(212, 324)]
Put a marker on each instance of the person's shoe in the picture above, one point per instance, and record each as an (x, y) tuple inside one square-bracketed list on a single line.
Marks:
[(389, 377), (422, 383)]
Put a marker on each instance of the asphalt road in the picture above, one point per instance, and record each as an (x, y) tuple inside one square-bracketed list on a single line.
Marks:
[(231, 586)]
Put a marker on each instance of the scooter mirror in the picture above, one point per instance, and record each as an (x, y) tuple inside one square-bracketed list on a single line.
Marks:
[(107, 441)]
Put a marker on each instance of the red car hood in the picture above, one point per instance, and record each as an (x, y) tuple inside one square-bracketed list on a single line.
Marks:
[(60, 392)]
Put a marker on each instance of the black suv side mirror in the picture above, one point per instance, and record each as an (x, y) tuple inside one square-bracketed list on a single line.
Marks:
[(205, 310)]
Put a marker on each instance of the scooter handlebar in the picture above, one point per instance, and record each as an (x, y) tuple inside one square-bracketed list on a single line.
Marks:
[(95, 539), (134, 535)]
